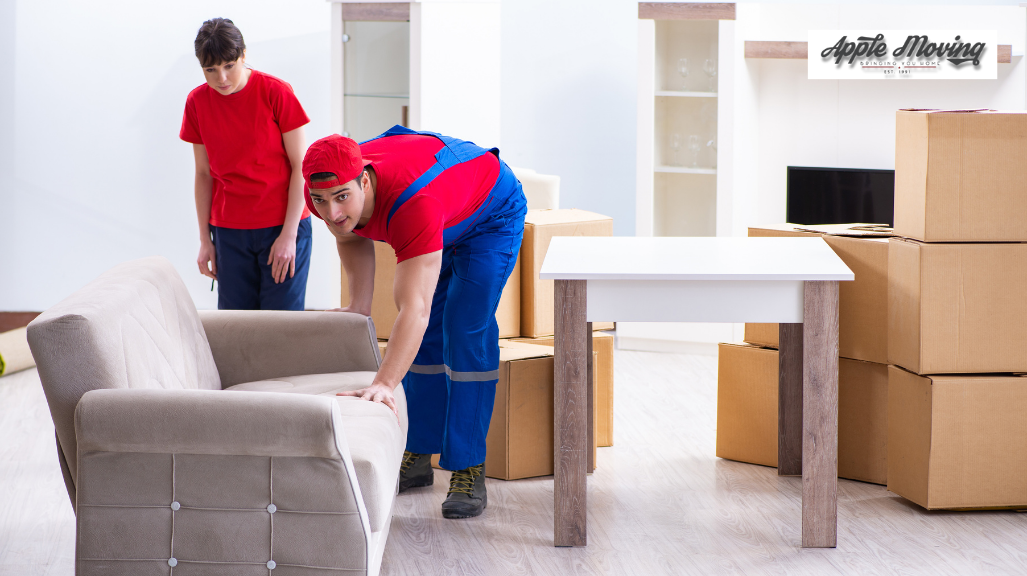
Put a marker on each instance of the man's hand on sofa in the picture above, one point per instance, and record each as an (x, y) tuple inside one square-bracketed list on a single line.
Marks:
[(376, 392), (353, 309)]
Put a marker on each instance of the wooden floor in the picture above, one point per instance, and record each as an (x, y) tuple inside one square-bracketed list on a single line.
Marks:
[(659, 503)]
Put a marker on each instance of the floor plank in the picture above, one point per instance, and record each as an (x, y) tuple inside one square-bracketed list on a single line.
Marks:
[(659, 503)]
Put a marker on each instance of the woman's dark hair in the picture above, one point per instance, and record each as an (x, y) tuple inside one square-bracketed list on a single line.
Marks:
[(218, 41)]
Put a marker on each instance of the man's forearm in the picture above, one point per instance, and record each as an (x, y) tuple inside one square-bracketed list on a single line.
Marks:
[(407, 333)]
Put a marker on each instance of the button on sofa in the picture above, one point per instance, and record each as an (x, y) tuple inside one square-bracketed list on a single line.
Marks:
[(213, 442)]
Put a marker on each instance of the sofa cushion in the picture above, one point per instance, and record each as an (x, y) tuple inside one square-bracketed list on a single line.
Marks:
[(376, 440), (135, 326)]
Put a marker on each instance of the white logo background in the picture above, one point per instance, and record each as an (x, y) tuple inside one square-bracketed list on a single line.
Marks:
[(874, 66)]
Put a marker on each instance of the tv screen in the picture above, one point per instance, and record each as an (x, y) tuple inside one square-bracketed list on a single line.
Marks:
[(840, 196)]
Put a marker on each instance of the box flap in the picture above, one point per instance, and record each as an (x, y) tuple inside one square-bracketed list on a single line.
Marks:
[(854, 230), (510, 351), (860, 230), (946, 111)]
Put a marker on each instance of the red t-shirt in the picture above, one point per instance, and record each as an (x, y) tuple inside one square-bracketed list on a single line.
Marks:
[(242, 133), (417, 225)]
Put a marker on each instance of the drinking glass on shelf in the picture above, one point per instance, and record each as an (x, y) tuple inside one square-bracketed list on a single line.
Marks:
[(710, 67), (675, 150), (683, 70), (711, 145), (693, 147)]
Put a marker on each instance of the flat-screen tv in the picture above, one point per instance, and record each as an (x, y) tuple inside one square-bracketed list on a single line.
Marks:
[(840, 196)]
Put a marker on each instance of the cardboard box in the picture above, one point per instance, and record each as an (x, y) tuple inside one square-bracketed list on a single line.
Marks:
[(602, 345), (540, 226), (862, 303), (747, 412), (747, 404), (957, 441), (520, 440), (383, 306), (957, 308), (960, 175)]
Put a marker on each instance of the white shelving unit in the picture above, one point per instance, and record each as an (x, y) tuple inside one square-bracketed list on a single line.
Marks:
[(406, 62), (682, 192), (678, 187)]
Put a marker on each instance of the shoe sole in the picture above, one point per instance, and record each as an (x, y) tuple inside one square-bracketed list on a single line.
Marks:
[(460, 514), (418, 484)]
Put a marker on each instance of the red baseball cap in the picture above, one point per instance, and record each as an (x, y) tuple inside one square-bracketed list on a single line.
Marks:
[(336, 154)]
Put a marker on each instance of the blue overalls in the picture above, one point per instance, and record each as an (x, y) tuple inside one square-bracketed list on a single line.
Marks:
[(451, 386)]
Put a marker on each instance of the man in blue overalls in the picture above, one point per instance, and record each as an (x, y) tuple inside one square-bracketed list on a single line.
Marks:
[(454, 213)]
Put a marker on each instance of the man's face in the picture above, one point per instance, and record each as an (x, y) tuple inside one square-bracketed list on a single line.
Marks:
[(226, 77), (341, 207)]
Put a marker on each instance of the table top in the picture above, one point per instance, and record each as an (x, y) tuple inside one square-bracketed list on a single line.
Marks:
[(692, 258)]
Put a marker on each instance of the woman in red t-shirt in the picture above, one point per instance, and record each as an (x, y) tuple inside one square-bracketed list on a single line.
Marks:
[(246, 128)]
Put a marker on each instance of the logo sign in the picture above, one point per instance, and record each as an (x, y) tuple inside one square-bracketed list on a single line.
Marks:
[(903, 54)]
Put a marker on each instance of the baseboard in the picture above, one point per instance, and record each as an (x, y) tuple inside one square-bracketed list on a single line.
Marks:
[(660, 345)]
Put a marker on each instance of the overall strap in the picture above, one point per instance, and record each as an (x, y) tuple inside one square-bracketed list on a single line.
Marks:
[(453, 152)]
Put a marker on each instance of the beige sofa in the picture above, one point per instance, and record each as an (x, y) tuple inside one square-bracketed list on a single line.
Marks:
[(213, 442)]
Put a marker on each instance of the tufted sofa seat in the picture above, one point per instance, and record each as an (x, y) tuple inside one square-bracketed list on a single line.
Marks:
[(213, 442)]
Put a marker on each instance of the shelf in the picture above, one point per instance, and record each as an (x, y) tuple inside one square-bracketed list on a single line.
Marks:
[(376, 11), (680, 94), (799, 50), (686, 11), (684, 170), (395, 96)]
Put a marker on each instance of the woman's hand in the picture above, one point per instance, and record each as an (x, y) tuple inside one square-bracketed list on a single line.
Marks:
[(207, 260), (283, 258), (376, 392)]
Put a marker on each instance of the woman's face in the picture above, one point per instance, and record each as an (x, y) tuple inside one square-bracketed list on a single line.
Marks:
[(227, 77)]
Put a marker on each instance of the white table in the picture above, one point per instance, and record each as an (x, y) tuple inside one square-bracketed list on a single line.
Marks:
[(793, 281)]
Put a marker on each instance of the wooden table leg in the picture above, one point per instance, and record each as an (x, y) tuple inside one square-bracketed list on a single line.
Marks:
[(591, 401), (571, 412), (789, 400), (820, 415)]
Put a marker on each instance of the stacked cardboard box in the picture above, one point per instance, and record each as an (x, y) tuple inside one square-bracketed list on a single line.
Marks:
[(516, 443), (747, 411), (602, 346), (383, 304), (520, 440), (747, 419), (957, 310)]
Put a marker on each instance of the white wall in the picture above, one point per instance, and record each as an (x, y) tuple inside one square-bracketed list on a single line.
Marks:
[(94, 172), (568, 99)]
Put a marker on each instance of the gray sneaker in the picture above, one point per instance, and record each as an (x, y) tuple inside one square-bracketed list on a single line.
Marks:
[(466, 497), (415, 471)]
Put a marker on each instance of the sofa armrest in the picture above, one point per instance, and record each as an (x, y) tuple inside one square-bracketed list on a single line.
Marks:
[(181, 464), (250, 345), (210, 422)]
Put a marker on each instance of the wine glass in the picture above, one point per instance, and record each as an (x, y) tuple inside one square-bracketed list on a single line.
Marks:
[(711, 145), (693, 147), (710, 68), (675, 148), (683, 70)]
